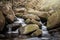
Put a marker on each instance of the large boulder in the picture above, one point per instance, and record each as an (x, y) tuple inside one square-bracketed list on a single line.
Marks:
[(30, 28), (2, 21), (8, 12), (54, 20)]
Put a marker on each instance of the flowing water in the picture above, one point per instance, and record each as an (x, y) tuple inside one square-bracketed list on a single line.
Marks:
[(45, 33)]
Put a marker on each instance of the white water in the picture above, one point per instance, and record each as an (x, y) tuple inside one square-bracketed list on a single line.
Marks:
[(45, 33), (19, 20)]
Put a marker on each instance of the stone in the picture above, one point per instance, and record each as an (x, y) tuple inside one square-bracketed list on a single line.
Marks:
[(41, 14), (2, 21), (37, 33), (30, 28), (20, 10), (32, 21), (19, 14), (54, 20), (31, 16)]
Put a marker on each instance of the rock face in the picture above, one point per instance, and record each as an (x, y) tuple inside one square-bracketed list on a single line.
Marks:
[(2, 21), (8, 12), (31, 16), (38, 32), (30, 28), (54, 20)]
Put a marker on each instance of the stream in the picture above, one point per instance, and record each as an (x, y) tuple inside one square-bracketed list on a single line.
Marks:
[(45, 33)]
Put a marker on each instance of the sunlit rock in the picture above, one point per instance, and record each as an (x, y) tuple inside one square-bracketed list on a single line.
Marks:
[(30, 28), (38, 32)]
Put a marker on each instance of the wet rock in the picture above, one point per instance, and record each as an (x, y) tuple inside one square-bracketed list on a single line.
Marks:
[(38, 32), (14, 26), (32, 21), (31, 16), (54, 20), (40, 14), (8, 12), (30, 28), (2, 21)]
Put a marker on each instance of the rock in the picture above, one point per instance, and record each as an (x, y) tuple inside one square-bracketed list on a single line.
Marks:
[(54, 20), (44, 5), (41, 14), (48, 5), (31, 16), (32, 21), (8, 12), (38, 32), (2, 21), (30, 28), (20, 10), (19, 14), (14, 26), (31, 3)]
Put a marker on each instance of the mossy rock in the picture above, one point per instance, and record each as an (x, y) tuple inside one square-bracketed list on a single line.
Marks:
[(38, 32), (30, 28)]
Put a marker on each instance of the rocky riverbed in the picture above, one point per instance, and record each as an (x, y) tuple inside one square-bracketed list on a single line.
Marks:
[(30, 20)]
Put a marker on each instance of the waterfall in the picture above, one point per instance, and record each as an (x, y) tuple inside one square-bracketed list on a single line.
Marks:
[(21, 20)]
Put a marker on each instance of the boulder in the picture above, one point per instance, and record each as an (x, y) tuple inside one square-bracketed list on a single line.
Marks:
[(41, 14), (54, 20), (31, 16), (30, 28), (38, 32), (8, 12), (32, 21), (2, 21), (20, 10)]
